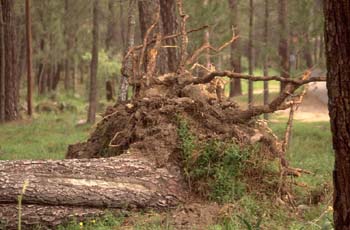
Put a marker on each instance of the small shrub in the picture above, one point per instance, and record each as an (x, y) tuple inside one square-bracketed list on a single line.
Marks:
[(214, 169)]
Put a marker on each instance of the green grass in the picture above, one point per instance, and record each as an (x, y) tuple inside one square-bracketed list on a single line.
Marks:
[(45, 137), (48, 135)]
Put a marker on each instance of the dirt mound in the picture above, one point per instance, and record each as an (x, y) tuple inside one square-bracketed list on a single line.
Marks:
[(149, 126)]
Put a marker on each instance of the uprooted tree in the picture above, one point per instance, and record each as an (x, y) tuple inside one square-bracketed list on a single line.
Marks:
[(149, 163)]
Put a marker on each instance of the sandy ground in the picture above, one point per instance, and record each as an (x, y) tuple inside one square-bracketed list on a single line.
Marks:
[(314, 107)]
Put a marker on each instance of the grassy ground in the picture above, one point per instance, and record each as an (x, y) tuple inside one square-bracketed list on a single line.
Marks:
[(47, 136)]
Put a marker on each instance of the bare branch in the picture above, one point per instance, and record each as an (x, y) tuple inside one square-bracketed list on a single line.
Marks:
[(206, 46), (279, 102), (232, 75), (135, 48)]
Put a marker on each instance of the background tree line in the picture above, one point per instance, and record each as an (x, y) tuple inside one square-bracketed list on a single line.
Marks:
[(276, 34)]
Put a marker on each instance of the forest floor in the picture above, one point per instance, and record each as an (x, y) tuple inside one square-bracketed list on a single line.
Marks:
[(48, 135)]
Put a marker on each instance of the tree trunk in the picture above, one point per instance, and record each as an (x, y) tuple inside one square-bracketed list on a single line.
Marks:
[(10, 69), (235, 84), (124, 85), (111, 26), (2, 67), (148, 11), (94, 65), (307, 51), (127, 181), (283, 44), (168, 14), (29, 59), (251, 53), (68, 47), (266, 56), (337, 40)]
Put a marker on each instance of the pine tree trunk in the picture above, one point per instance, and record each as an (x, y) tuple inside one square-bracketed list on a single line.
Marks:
[(94, 65), (337, 40), (124, 85), (124, 182), (235, 84), (283, 44), (111, 25), (168, 14), (251, 52), (266, 56), (68, 47), (10, 69), (29, 59), (307, 51), (2, 67)]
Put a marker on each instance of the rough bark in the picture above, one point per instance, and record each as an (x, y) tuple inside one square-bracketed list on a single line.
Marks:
[(111, 35), (266, 57), (148, 13), (47, 217), (235, 84), (168, 15), (337, 40), (127, 181), (2, 69), (10, 69), (283, 48), (29, 59), (94, 65), (124, 84), (251, 52)]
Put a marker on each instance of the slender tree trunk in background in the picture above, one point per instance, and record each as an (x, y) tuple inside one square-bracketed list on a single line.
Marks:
[(122, 24), (94, 64), (11, 77), (68, 48), (266, 56), (168, 14), (57, 76), (251, 53), (337, 40), (321, 49), (235, 58), (316, 51), (207, 40), (111, 25), (2, 68), (307, 51), (124, 85), (29, 59), (283, 48)]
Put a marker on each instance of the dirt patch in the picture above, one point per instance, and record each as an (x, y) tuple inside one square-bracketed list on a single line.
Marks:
[(313, 109)]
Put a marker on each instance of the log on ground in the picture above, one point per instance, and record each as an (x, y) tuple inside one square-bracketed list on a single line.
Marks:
[(127, 181)]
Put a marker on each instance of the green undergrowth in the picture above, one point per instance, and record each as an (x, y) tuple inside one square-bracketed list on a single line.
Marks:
[(107, 222), (212, 169), (44, 137)]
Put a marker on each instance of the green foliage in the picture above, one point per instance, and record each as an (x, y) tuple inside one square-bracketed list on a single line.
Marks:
[(107, 66), (107, 222), (215, 168)]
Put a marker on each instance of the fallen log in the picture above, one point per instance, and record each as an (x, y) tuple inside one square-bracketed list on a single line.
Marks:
[(44, 217), (127, 181)]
